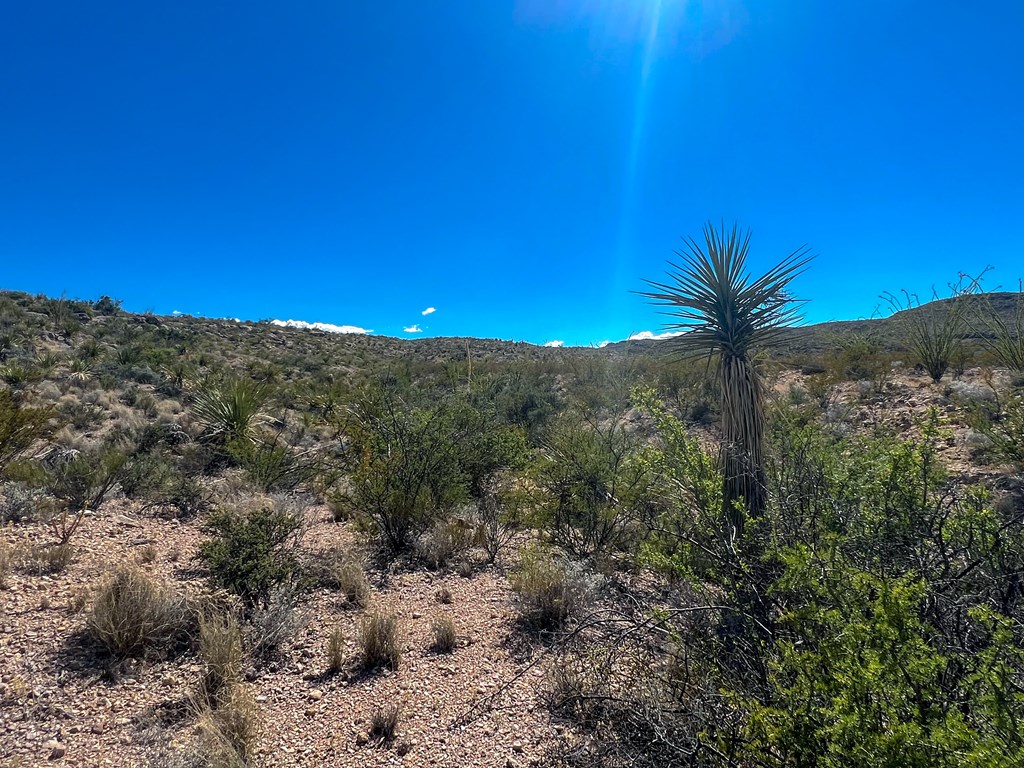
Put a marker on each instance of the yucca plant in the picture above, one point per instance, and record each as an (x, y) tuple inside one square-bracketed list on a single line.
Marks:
[(721, 311), (229, 409)]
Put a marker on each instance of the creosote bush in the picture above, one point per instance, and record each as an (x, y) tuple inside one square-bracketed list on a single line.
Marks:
[(134, 613), (379, 641), (252, 547)]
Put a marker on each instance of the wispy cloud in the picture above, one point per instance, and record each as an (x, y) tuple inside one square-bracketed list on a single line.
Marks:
[(603, 344), (645, 335), (329, 327), (428, 311), (555, 343), (414, 328), (177, 312)]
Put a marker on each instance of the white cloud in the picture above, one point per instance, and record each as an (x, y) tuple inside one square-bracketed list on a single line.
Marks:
[(177, 312), (428, 311), (645, 335), (603, 344), (414, 328), (555, 343), (329, 327)]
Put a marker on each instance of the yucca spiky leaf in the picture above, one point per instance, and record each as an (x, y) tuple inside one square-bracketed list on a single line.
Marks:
[(714, 301)]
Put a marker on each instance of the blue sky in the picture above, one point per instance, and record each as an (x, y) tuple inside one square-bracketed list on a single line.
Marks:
[(518, 165)]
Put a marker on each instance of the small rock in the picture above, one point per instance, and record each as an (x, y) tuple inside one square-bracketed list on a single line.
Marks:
[(362, 739), (417, 615), (517, 747), (56, 749), (316, 695)]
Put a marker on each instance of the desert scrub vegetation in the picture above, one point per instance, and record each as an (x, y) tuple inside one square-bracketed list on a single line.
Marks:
[(252, 546), (413, 465), (934, 331), (230, 408), (380, 641), (589, 487), (445, 636), (134, 613), (723, 312), (229, 733), (21, 426), (342, 570), (549, 589)]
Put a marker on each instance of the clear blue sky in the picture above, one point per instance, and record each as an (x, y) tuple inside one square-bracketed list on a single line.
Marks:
[(520, 165)]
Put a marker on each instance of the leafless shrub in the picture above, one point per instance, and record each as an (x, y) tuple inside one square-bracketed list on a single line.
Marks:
[(271, 623)]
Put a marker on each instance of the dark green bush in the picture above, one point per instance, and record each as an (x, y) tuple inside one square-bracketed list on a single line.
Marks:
[(251, 549), (21, 427)]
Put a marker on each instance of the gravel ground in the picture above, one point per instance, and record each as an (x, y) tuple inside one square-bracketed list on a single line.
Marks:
[(61, 701)]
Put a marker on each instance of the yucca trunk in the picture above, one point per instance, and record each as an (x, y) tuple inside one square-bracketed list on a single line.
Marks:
[(743, 427)]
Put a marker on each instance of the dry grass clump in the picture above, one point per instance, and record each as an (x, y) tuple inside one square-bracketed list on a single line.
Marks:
[(336, 651), (379, 641), (134, 613), (228, 719), (344, 572), (443, 629), (7, 560), (220, 648), (549, 590), (47, 558), (444, 596), (384, 723), (228, 734), (443, 542)]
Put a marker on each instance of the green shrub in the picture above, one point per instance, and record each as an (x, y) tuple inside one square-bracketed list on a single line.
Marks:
[(590, 486), (406, 470), (252, 547), (83, 479), (271, 465), (21, 427)]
